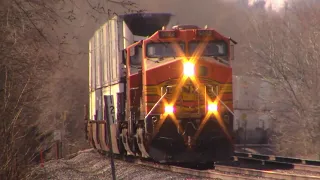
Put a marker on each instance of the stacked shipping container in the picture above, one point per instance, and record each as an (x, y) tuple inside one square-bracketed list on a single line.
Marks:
[(252, 103)]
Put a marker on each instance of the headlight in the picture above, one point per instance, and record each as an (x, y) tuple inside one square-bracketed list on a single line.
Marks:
[(188, 69), (168, 109), (213, 107)]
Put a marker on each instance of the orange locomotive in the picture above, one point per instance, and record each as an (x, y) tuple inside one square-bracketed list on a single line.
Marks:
[(176, 100)]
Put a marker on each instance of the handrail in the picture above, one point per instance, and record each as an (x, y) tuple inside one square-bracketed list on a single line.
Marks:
[(155, 105), (157, 102)]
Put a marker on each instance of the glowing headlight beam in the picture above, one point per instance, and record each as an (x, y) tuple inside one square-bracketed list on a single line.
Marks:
[(199, 50), (213, 107), (176, 122), (222, 125), (158, 125), (188, 69), (178, 89), (168, 109), (178, 49), (219, 120), (204, 121)]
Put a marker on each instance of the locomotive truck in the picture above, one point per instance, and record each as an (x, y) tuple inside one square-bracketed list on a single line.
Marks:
[(170, 87)]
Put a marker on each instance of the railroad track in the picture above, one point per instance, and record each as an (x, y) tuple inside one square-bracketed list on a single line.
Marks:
[(210, 174), (264, 174), (231, 172), (278, 158), (245, 166), (279, 161), (228, 172)]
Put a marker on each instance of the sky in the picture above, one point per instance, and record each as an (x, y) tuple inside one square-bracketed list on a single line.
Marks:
[(274, 4)]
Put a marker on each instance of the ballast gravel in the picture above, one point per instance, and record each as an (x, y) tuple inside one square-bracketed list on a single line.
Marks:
[(90, 165)]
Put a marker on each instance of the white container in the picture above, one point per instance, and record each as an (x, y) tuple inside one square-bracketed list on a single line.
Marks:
[(252, 93), (253, 99), (106, 67)]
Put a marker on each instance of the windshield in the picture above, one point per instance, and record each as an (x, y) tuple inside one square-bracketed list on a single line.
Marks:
[(212, 48), (165, 49)]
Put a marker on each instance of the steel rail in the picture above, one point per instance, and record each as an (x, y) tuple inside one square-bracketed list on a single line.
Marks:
[(211, 174), (225, 172), (263, 173), (292, 166), (278, 158)]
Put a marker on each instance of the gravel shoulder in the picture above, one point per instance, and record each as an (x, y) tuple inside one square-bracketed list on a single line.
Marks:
[(90, 165)]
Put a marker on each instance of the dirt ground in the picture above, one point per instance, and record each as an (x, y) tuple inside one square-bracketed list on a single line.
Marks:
[(90, 165)]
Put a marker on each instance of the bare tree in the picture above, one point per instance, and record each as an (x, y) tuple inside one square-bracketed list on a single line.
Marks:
[(284, 49), (33, 50), (24, 59)]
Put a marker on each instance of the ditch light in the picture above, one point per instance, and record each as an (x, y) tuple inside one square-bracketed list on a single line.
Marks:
[(168, 109), (213, 107)]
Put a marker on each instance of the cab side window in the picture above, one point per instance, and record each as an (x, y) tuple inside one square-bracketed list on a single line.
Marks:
[(135, 58)]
